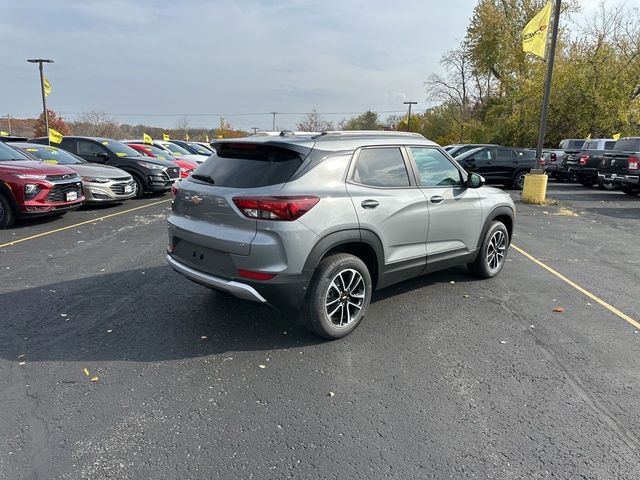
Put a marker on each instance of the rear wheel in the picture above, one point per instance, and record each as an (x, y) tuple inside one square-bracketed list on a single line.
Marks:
[(338, 296), (7, 215), (588, 182), (518, 180), (493, 251), (607, 185), (633, 191)]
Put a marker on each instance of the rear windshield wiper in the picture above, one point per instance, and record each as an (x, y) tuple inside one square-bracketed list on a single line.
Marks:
[(204, 178)]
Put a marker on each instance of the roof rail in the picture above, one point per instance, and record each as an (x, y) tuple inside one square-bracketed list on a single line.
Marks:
[(365, 133)]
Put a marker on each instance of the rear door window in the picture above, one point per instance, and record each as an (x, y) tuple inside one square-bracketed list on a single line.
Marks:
[(90, 149), (609, 145), (381, 167), (245, 165)]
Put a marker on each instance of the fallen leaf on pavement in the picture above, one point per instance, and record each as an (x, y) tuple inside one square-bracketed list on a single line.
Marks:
[(262, 366), (331, 394), (466, 296), (558, 310), (503, 341), (86, 371), (203, 337), (22, 363), (94, 379)]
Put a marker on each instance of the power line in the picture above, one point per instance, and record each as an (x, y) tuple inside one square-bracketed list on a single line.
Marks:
[(239, 114)]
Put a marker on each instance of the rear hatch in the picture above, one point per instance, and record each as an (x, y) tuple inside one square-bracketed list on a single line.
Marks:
[(204, 214)]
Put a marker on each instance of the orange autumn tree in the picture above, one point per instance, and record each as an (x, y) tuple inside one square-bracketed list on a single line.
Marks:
[(56, 122)]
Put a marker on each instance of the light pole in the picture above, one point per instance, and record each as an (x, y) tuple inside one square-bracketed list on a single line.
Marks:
[(40, 61), (409, 118), (273, 127)]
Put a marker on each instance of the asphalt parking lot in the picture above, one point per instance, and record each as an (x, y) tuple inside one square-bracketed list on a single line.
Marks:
[(447, 377)]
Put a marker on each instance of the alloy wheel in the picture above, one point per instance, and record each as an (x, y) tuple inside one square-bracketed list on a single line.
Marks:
[(345, 297), (496, 250), (520, 180)]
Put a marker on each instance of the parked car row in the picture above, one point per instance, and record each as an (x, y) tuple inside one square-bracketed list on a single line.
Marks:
[(38, 179), (604, 161)]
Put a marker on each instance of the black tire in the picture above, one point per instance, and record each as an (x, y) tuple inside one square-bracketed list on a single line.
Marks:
[(139, 186), (607, 185), (588, 182), (481, 267), (518, 180), (7, 214), (632, 191), (332, 284)]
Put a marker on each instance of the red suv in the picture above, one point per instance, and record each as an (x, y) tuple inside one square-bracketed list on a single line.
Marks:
[(32, 188)]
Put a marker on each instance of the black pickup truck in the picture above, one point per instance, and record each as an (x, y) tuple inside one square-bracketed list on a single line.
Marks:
[(583, 164), (622, 165)]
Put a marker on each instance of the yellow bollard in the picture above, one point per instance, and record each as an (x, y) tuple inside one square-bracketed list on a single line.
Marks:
[(535, 189)]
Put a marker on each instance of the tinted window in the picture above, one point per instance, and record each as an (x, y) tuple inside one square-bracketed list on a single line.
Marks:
[(484, 155), (245, 165), (120, 149), (504, 154), (200, 149), (381, 167), (574, 144), (434, 169), (628, 144), (609, 145), (176, 149), (590, 145), (90, 149)]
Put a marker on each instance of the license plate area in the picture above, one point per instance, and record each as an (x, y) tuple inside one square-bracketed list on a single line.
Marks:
[(203, 258), (71, 196)]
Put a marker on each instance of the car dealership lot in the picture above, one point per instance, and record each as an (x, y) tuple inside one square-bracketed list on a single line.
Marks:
[(446, 377)]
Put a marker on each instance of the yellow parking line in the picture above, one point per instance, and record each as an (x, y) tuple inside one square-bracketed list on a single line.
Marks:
[(606, 305), (49, 232)]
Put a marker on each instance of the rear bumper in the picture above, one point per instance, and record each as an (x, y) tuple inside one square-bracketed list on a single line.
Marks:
[(620, 178), (237, 289)]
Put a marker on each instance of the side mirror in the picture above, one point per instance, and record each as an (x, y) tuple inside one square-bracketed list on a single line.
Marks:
[(475, 181), (102, 156)]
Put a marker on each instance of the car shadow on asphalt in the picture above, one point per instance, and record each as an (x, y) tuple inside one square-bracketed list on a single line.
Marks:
[(626, 213), (137, 315), (152, 315)]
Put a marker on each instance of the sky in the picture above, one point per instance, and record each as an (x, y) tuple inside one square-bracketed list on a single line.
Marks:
[(154, 62)]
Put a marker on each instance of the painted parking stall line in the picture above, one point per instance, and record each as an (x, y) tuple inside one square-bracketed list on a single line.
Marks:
[(93, 220), (582, 290)]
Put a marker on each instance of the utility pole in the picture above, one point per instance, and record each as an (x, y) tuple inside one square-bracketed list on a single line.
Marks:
[(255, 129), (221, 134), (547, 83), (9, 122), (273, 128), (40, 61), (409, 118)]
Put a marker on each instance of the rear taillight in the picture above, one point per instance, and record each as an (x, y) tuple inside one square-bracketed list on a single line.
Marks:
[(634, 164), (584, 159), (255, 275), (275, 208)]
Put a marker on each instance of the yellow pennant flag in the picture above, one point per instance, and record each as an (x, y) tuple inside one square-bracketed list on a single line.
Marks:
[(47, 87), (616, 136), (147, 139), (186, 137), (166, 137), (534, 35), (588, 137), (55, 136), (4, 134), (206, 137)]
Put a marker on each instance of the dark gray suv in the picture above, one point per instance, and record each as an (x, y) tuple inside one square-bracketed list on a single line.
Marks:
[(316, 223)]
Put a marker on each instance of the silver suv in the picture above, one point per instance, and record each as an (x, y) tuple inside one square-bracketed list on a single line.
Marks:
[(316, 223)]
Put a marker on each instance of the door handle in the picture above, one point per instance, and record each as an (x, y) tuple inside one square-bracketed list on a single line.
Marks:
[(370, 204), (437, 199)]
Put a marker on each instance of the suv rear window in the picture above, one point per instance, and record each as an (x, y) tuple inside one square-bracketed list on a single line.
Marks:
[(247, 165)]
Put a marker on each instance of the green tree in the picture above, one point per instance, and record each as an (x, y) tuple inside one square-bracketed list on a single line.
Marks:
[(365, 121)]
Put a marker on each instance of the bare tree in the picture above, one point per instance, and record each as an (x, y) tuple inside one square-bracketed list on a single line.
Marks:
[(183, 124), (96, 123), (313, 122)]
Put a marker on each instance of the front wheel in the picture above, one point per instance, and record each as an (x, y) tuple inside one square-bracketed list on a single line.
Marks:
[(139, 186), (493, 251), (7, 215), (338, 296), (588, 182)]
